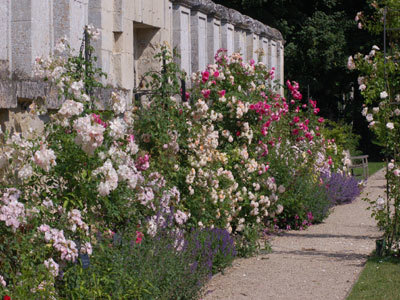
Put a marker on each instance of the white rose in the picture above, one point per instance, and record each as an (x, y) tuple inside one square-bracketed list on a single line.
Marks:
[(364, 111), (390, 125), (279, 209), (281, 189), (380, 203)]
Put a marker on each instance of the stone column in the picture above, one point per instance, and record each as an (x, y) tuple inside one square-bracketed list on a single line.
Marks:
[(168, 23), (181, 36), (240, 42), (281, 64), (274, 59), (227, 37), (100, 15), (252, 46), (118, 16), (213, 38), (31, 33), (5, 33), (4, 28), (77, 21), (278, 61), (199, 41), (264, 47), (69, 20)]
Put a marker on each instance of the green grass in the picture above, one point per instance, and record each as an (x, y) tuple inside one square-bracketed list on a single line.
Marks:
[(373, 167), (380, 280)]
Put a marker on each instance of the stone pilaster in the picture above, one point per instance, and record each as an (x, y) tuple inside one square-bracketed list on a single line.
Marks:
[(181, 36), (5, 27), (227, 37), (281, 65), (213, 37), (240, 42), (252, 41), (274, 59), (199, 40), (265, 49), (31, 34)]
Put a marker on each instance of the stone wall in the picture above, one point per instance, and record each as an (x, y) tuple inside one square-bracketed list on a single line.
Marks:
[(225, 28), (131, 31)]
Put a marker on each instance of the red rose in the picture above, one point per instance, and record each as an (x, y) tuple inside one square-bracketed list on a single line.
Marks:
[(6, 297), (139, 237)]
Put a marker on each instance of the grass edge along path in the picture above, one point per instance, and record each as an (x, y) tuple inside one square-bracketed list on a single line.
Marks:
[(380, 280)]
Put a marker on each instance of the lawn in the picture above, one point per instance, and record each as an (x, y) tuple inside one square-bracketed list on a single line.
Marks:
[(372, 168), (380, 279)]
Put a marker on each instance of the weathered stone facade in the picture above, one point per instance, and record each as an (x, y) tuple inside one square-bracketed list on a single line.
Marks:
[(131, 30)]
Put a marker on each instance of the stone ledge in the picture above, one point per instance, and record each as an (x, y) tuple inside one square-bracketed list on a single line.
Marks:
[(11, 91), (8, 97)]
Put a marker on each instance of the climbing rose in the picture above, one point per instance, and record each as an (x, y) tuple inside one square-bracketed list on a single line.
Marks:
[(89, 136), (45, 158)]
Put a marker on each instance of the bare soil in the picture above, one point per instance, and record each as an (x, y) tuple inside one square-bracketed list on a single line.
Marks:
[(321, 262)]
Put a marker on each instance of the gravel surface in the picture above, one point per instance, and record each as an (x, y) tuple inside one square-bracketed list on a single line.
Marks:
[(322, 262)]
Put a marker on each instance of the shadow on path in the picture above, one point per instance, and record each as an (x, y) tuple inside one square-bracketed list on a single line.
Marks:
[(338, 256), (327, 235)]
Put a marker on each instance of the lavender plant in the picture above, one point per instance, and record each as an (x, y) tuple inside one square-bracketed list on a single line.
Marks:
[(341, 188)]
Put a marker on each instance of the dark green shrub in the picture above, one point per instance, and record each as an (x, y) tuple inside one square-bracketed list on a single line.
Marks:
[(305, 202), (167, 266)]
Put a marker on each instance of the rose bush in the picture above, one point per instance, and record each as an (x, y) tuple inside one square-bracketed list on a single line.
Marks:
[(83, 176), (237, 146), (379, 84)]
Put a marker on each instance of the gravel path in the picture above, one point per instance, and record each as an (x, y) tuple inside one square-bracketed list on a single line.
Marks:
[(322, 262)]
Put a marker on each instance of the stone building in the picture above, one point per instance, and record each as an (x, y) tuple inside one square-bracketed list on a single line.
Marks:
[(130, 33)]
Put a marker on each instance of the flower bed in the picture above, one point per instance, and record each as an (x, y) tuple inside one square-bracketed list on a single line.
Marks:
[(146, 201)]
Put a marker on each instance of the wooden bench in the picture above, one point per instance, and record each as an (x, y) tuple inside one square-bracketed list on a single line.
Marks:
[(360, 161)]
